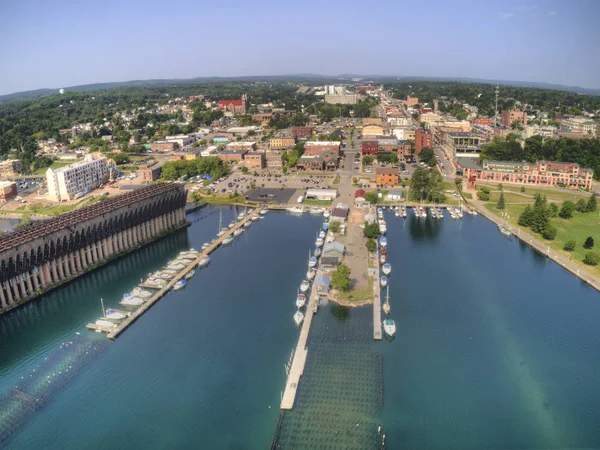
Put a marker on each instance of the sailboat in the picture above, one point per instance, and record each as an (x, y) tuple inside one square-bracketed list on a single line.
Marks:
[(222, 230), (386, 306), (113, 314), (228, 240), (298, 317), (103, 322)]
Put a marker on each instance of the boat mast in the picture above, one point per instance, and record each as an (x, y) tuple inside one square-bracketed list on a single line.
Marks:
[(103, 310)]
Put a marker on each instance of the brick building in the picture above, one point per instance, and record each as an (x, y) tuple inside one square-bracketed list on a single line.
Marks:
[(387, 144), (540, 173), (234, 106), (318, 147), (302, 132), (508, 117), (369, 148), (231, 155), (410, 101), (151, 173), (326, 160), (483, 121), (404, 151), (263, 118), (281, 142), (254, 160), (8, 191), (423, 139), (163, 146), (386, 176)]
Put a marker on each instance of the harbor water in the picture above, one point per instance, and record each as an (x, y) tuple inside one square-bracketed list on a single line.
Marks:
[(496, 347)]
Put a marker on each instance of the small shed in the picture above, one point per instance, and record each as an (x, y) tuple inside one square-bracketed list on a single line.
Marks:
[(323, 283), (329, 262), (334, 248)]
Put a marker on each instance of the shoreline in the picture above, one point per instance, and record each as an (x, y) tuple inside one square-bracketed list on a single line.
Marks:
[(543, 249)]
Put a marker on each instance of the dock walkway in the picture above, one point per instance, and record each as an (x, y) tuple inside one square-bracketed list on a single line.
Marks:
[(113, 333), (376, 299)]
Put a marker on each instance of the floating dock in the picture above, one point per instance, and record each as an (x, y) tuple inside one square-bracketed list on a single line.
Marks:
[(114, 332), (377, 323)]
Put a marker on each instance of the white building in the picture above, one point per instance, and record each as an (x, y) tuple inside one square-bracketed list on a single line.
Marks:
[(321, 194), (208, 151), (67, 183), (181, 139)]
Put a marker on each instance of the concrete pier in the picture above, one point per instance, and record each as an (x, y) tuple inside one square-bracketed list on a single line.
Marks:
[(113, 333)]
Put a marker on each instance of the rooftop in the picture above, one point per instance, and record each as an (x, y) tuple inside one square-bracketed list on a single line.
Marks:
[(386, 171)]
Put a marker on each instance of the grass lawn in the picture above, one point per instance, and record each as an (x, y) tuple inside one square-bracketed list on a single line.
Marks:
[(578, 228), (358, 295), (55, 165), (336, 180), (555, 194), (317, 202), (511, 197)]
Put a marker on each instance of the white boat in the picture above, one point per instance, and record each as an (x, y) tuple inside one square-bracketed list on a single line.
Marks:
[(190, 274), (298, 318), (312, 262), (179, 285), (231, 225), (138, 292), (397, 214), (205, 245), (255, 218), (310, 274), (319, 242), (105, 323), (263, 211), (130, 300), (295, 210), (247, 224), (165, 276), (322, 234), (203, 262), (389, 326), (326, 213), (318, 251), (305, 285), (237, 232), (300, 300), (317, 210), (505, 231), (228, 240), (382, 259), (387, 268), (383, 281), (383, 241), (113, 314)]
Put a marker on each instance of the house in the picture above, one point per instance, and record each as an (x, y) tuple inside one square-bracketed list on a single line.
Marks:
[(151, 173), (323, 282), (394, 195), (359, 198), (340, 212), (319, 147), (281, 142), (325, 161), (334, 248)]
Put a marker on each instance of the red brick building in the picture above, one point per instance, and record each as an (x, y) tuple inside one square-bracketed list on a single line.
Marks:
[(369, 148), (423, 139), (152, 173), (404, 150), (234, 106), (8, 191), (302, 132), (163, 146), (254, 160), (508, 117), (318, 147), (231, 155), (483, 121)]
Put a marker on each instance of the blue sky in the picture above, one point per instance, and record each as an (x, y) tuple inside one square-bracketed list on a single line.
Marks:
[(58, 43)]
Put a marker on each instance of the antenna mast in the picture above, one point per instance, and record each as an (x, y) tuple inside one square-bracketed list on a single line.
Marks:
[(496, 110)]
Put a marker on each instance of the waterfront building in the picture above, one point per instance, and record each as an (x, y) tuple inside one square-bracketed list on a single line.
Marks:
[(37, 258), (323, 281), (65, 183), (387, 176), (8, 191), (9, 168), (340, 212), (540, 173), (394, 195), (321, 194), (335, 249)]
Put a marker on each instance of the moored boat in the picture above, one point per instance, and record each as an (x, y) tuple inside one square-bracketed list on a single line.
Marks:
[(237, 232), (318, 251), (383, 281), (190, 274), (326, 213), (389, 326), (295, 210), (105, 323), (310, 274), (263, 211), (130, 300), (305, 285), (179, 285), (228, 240), (386, 268), (382, 259), (312, 261), (298, 317), (247, 224), (113, 314), (300, 300), (382, 241), (203, 262)]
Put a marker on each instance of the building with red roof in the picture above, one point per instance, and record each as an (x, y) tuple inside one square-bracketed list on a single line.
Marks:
[(234, 106)]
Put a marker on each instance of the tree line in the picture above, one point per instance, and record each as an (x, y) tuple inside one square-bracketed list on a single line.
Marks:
[(213, 166)]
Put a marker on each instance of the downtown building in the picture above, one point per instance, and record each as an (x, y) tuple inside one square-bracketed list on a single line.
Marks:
[(66, 183)]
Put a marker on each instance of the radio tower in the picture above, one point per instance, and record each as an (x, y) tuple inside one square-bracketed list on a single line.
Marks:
[(496, 110)]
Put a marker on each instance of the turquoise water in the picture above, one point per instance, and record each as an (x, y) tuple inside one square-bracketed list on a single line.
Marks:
[(203, 368), (497, 347)]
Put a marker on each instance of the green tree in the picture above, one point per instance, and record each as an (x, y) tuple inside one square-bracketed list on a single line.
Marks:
[(500, 187), (589, 242), (501, 204), (419, 184), (334, 226), (526, 217), (483, 196), (552, 210), (340, 278), (25, 220), (549, 232), (371, 245), (244, 169), (372, 230), (372, 197), (426, 154), (591, 258), (522, 188), (367, 160), (567, 209), (569, 246), (591, 204), (581, 205), (540, 218)]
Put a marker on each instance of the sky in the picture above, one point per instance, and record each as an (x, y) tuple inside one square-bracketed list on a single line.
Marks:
[(61, 43)]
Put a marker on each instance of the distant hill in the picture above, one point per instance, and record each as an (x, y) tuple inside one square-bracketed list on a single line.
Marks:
[(290, 77)]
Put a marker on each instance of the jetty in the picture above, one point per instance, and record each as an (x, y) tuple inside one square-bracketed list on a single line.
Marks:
[(114, 332), (376, 299)]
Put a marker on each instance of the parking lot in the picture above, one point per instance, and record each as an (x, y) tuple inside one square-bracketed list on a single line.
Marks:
[(242, 183)]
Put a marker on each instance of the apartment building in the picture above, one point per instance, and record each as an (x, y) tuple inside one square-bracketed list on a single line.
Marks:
[(540, 173), (386, 176), (281, 143), (509, 117), (69, 182), (423, 139), (9, 168), (8, 191), (254, 160)]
